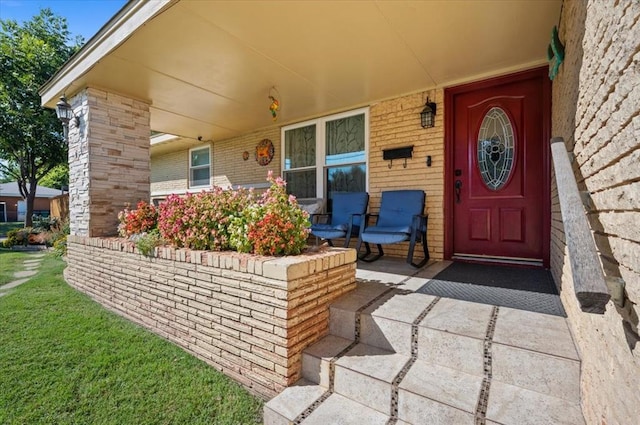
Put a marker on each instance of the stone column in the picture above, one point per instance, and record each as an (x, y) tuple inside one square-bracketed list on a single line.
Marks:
[(108, 160)]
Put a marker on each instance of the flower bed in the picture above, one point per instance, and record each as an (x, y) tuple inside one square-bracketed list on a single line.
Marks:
[(249, 316), (220, 220)]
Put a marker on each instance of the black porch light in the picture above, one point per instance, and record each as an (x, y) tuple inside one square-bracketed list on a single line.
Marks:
[(428, 114), (64, 112)]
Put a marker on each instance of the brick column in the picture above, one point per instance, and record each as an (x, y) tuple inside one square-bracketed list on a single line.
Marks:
[(108, 160)]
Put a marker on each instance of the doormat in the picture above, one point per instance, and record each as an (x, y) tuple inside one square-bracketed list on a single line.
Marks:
[(514, 287)]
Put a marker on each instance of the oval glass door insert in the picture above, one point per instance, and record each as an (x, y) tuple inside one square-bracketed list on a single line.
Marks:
[(495, 148)]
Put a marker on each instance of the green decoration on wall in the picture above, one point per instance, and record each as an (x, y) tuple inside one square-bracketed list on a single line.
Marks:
[(555, 53)]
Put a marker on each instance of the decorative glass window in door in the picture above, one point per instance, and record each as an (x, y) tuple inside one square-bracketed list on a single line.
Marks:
[(199, 167), (495, 148)]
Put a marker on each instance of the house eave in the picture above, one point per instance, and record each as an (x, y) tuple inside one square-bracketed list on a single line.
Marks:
[(68, 79)]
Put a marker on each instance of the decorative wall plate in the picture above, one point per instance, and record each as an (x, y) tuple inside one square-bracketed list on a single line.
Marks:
[(264, 152), (245, 155)]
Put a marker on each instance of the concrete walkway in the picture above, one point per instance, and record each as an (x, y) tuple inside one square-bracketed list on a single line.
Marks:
[(30, 269)]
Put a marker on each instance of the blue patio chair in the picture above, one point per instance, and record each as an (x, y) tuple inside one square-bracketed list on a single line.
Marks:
[(400, 219), (345, 219)]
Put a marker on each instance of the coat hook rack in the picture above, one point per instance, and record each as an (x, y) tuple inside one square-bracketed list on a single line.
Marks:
[(404, 165), (398, 153)]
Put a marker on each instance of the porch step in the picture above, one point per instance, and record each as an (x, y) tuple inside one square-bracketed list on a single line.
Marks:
[(402, 357), (336, 409)]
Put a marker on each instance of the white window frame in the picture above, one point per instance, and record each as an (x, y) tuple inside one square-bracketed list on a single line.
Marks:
[(191, 167), (321, 127)]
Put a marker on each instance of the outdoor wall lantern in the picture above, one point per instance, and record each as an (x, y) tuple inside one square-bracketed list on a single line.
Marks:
[(428, 114), (64, 112)]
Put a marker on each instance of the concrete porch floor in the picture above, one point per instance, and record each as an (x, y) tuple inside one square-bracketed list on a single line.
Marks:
[(395, 356)]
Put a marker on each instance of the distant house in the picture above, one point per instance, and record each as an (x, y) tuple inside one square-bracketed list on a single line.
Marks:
[(13, 207)]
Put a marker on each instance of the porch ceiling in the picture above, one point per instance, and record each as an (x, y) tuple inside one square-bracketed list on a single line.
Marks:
[(207, 67)]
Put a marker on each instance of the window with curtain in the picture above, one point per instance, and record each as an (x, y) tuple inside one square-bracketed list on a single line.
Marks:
[(200, 167), (327, 155)]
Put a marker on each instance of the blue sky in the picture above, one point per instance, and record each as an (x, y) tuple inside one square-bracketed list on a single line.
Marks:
[(84, 17)]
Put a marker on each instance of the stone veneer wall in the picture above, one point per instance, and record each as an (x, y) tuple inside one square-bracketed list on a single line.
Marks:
[(596, 109), (108, 160), (396, 123), (248, 316)]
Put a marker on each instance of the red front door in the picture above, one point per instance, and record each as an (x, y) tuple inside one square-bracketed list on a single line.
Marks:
[(497, 174)]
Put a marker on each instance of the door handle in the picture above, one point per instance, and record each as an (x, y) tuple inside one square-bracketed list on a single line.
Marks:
[(458, 187)]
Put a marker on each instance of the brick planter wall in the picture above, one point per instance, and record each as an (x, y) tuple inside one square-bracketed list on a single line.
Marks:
[(248, 316)]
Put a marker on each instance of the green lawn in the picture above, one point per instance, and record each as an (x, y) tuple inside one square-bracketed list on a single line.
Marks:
[(10, 262), (5, 227), (66, 360)]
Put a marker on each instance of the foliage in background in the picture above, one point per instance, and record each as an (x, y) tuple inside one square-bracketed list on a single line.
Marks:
[(143, 219), (201, 221), (47, 224), (57, 178), (273, 226), (31, 139), (6, 227), (67, 360), (47, 232), (17, 237), (58, 239)]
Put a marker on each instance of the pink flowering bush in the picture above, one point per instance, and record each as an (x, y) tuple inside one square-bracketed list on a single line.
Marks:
[(143, 219), (221, 219), (274, 225), (201, 221)]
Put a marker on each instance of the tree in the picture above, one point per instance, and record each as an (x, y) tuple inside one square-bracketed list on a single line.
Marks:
[(31, 138), (57, 178)]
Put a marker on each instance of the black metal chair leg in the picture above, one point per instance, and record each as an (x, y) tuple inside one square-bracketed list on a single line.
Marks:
[(412, 246), (377, 256)]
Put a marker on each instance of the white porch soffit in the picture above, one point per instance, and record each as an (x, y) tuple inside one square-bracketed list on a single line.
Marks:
[(207, 67)]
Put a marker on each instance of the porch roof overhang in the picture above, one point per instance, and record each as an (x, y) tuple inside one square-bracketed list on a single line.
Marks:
[(208, 67)]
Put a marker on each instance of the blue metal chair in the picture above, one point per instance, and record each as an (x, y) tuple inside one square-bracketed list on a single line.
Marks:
[(400, 219), (345, 219)]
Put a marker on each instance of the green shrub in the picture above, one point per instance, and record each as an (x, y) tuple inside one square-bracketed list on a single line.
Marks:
[(17, 237), (147, 242), (60, 246), (46, 224), (59, 234)]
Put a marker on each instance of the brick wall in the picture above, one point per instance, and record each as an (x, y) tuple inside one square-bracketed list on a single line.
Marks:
[(393, 123), (230, 167), (108, 160), (11, 205), (170, 172), (596, 109), (396, 123), (248, 316)]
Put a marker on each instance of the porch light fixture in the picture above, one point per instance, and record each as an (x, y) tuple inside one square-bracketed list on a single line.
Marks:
[(428, 114), (65, 113)]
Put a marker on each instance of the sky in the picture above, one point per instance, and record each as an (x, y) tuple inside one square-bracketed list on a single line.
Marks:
[(84, 17)]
